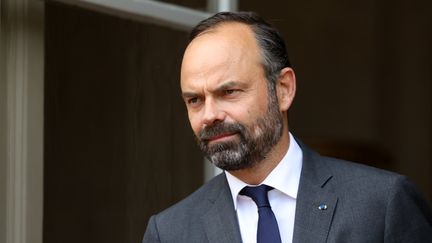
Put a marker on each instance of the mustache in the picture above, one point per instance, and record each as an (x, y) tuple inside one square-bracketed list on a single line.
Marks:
[(219, 129)]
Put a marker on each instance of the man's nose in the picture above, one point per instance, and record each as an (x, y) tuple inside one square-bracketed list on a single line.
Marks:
[(212, 113)]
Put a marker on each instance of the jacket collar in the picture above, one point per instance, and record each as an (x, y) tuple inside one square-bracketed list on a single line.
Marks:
[(220, 221), (316, 201)]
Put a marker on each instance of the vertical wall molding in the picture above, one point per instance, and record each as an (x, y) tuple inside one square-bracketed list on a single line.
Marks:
[(16, 99), (2, 129), (22, 33)]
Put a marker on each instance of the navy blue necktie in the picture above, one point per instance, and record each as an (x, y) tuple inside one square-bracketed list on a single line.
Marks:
[(268, 230)]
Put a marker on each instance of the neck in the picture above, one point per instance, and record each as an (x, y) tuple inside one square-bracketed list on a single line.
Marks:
[(257, 174)]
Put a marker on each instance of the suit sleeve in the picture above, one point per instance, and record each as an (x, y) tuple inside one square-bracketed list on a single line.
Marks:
[(151, 235), (408, 216)]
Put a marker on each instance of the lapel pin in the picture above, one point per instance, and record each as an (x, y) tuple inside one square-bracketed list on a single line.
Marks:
[(322, 206)]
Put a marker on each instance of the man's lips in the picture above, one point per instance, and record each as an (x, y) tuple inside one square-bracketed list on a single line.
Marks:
[(220, 137)]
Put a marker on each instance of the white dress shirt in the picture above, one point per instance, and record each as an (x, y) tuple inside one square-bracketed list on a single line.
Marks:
[(285, 179)]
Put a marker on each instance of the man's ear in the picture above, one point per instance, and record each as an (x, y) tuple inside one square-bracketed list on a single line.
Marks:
[(286, 88)]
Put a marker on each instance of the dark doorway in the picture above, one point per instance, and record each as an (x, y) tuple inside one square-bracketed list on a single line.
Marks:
[(118, 146)]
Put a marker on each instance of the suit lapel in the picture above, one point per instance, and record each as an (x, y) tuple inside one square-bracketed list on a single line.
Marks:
[(316, 203), (220, 221)]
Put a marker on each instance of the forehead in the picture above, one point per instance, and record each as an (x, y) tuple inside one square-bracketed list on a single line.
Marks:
[(229, 44), (225, 36)]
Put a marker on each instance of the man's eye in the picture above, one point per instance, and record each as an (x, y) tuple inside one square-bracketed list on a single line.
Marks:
[(230, 91), (192, 100)]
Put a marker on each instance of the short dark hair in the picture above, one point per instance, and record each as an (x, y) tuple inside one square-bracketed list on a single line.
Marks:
[(273, 49)]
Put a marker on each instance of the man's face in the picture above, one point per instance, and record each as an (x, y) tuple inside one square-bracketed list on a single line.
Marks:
[(234, 117)]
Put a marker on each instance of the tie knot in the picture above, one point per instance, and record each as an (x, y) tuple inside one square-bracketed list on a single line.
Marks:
[(258, 194)]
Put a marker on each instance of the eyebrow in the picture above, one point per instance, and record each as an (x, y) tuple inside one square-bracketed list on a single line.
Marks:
[(225, 86), (230, 84), (189, 94)]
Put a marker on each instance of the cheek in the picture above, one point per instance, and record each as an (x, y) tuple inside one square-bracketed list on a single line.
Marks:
[(244, 116), (257, 108), (194, 123)]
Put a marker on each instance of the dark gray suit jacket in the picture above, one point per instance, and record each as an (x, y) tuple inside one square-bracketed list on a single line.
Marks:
[(364, 204)]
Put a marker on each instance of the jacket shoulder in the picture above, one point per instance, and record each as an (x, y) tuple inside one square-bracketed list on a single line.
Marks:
[(182, 222), (377, 203), (347, 171), (196, 201)]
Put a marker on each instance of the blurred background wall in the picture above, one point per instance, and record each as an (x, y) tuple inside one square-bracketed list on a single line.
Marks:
[(117, 143), (364, 79), (364, 74), (21, 120)]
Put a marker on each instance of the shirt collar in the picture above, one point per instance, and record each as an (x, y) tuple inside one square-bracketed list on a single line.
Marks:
[(285, 177)]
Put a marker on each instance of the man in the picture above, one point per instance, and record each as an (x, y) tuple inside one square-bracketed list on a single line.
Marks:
[(238, 85)]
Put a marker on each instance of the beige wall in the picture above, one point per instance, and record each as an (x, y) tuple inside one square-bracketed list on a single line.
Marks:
[(21, 121)]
